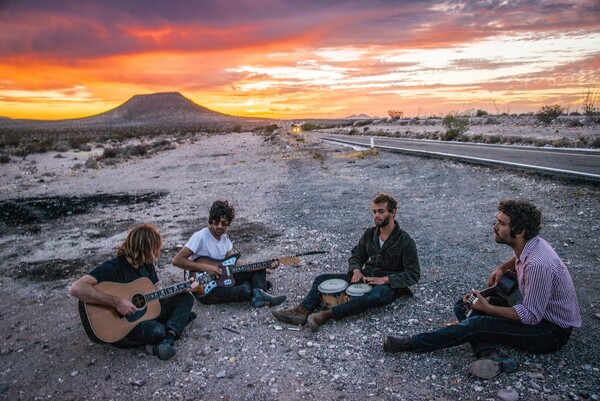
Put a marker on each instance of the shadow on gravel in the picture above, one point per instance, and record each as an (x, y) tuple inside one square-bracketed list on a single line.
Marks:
[(26, 211)]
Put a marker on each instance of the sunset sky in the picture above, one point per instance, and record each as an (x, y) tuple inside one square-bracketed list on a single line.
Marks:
[(298, 59)]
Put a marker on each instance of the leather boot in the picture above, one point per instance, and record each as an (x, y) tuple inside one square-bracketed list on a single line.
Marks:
[(261, 298), (397, 344), (295, 315), (315, 320)]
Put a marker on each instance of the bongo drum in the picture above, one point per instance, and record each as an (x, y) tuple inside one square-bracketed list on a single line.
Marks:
[(331, 291), (357, 290)]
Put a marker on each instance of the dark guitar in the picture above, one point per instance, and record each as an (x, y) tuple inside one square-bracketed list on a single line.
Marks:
[(103, 324), (503, 289), (207, 282)]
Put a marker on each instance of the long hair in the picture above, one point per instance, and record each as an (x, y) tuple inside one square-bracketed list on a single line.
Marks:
[(524, 217), (391, 202), (219, 210), (142, 245)]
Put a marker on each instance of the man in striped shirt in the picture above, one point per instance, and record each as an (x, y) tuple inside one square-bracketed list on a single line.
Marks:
[(539, 322)]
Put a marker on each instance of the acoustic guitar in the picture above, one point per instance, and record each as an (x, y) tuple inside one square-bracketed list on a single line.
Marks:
[(103, 324), (503, 289), (207, 282)]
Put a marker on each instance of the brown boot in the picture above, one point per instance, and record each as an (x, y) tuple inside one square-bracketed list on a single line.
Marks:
[(295, 315), (314, 320)]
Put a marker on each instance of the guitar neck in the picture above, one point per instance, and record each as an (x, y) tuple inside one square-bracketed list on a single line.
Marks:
[(168, 291), (252, 266)]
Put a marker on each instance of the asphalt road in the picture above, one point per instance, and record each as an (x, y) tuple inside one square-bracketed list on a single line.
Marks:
[(580, 163)]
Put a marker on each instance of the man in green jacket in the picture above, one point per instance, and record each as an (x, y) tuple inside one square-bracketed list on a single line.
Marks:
[(385, 258)]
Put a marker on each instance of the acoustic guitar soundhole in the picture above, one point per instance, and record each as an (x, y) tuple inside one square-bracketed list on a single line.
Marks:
[(138, 300)]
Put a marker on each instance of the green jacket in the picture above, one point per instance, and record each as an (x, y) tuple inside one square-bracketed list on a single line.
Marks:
[(397, 258)]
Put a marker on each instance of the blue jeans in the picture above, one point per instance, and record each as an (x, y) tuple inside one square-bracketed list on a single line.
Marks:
[(240, 292), (483, 331), (380, 295), (174, 315)]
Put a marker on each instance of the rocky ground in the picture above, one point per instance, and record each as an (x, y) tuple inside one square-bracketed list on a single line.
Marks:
[(292, 194)]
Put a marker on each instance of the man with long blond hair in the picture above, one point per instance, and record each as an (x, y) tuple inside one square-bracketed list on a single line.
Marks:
[(135, 259)]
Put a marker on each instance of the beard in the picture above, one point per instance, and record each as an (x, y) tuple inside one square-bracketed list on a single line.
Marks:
[(382, 223)]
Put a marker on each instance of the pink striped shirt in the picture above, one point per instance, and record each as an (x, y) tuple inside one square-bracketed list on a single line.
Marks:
[(547, 290)]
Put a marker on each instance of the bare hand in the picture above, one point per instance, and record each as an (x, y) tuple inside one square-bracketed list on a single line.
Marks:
[(213, 270), (125, 307), (357, 276), (376, 280), (495, 276), (274, 264), (479, 304)]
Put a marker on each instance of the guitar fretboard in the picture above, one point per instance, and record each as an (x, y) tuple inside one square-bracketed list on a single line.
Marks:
[(252, 266), (168, 291)]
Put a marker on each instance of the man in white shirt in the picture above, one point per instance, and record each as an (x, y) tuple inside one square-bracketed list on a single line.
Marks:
[(208, 247)]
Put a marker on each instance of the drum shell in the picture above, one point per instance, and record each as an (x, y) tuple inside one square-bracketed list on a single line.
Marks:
[(332, 292), (355, 291)]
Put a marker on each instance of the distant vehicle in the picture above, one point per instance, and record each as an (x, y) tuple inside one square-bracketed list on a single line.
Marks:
[(297, 127)]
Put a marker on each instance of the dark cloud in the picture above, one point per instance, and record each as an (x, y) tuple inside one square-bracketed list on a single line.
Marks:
[(73, 29)]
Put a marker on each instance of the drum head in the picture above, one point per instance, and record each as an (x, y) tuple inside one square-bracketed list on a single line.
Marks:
[(356, 290), (332, 286)]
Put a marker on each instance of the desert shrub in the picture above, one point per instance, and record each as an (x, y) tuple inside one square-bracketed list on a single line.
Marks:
[(595, 143), (309, 127), (353, 131), (91, 163), (549, 113), (395, 114), (4, 158), (270, 128), (365, 129), (574, 123), (362, 123), (76, 142), (491, 139), (481, 113), (541, 142), (135, 150), (562, 143), (10, 140), (77, 166), (111, 153), (455, 125), (491, 121)]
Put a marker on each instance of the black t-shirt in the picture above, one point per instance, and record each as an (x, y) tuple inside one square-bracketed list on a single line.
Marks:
[(119, 270)]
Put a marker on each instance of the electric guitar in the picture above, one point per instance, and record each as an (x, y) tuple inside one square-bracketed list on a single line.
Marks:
[(103, 324), (207, 282), (506, 286)]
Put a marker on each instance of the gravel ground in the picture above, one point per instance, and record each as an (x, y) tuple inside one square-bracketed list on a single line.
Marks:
[(292, 194)]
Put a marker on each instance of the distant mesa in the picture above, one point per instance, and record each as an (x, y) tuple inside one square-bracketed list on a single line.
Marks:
[(168, 109), (358, 117)]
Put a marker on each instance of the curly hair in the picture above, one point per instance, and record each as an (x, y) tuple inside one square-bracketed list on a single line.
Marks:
[(219, 210), (142, 245), (524, 217), (391, 202)]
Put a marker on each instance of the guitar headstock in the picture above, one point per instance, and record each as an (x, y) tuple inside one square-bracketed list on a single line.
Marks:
[(289, 260)]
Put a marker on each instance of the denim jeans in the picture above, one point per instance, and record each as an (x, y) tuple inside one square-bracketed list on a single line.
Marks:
[(483, 331), (380, 295), (174, 315), (240, 292)]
